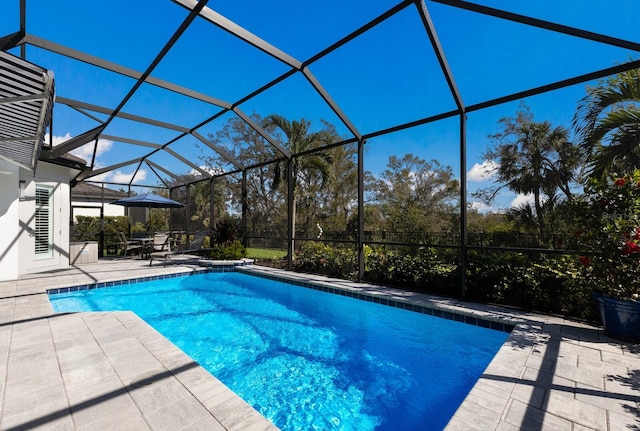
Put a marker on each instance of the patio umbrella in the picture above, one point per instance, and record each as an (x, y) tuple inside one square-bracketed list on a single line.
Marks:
[(148, 200)]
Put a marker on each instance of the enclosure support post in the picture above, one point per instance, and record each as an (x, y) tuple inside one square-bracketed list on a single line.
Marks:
[(126, 212), (212, 209), (101, 244), (463, 205), (361, 143), (244, 207), (446, 70), (290, 215), (170, 212), (187, 214)]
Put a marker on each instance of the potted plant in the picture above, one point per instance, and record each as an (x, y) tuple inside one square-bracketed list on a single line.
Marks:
[(608, 238), (609, 241)]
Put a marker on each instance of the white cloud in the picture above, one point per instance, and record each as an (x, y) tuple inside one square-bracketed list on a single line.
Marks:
[(483, 208), (104, 146), (121, 177), (482, 171), (210, 170), (85, 152), (522, 200), (57, 139)]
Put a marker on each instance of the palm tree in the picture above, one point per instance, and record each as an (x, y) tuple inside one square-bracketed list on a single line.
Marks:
[(533, 158), (305, 168), (607, 124)]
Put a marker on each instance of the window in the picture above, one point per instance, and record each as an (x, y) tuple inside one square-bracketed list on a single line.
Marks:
[(44, 221)]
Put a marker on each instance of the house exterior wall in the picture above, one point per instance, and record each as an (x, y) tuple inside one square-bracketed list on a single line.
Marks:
[(56, 177), (9, 227), (17, 219)]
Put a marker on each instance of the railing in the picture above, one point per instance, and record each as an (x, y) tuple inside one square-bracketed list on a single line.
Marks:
[(553, 241), (277, 240)]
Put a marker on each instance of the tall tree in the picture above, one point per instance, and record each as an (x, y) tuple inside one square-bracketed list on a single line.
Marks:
[(339, 200), (308, 169), (607, 124), (414, 194), (533, 158), (266, 209)]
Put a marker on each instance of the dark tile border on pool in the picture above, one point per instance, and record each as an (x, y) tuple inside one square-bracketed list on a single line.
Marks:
[(445, 314), (210, 268)]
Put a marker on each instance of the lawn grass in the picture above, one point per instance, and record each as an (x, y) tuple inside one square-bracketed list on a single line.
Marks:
[(265, 253)]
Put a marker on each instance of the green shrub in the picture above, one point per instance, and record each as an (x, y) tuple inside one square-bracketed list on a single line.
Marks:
[(547, 283), (420, 269), (224, 232), (320, 258), (539, 282), (87, 228), (228, 251)]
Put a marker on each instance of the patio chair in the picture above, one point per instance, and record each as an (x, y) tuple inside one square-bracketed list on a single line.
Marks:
[(160, 247), (195, 247), (161, 242), (126, 245)]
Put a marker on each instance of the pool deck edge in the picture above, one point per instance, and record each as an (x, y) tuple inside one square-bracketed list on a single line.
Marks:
[(95, 370), (103, 370)]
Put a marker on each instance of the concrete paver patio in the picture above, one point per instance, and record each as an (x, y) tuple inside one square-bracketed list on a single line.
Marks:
[(112, 371)]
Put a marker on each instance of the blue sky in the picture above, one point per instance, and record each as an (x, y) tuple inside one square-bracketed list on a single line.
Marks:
[(386, 76)]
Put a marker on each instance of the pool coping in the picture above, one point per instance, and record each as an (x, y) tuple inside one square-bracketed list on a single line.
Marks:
[(551, 374), (383, 297), (392, 298)]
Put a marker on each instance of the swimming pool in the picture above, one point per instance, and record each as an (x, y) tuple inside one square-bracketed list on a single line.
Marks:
[(307, 359)]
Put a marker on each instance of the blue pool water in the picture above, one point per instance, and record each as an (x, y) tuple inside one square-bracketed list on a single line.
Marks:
[(306, 359)]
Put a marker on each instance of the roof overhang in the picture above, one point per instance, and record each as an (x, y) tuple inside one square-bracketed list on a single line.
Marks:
[(26, 102)]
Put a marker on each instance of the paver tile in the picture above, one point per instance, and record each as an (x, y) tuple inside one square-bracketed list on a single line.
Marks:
[(624, 359), (134, 361), (621, 382), (235, 414), (95, 388), (178, 415), (100, 369), (20, 402), (602, 367), (459, 424), (100, 406), (206, 424), (577, 411), (610, 400), (151, 393), (618, 422), (124, 420), (615, 348), (481, 399), (52, 415), (580, 351), (486, 419), (581, 375), (530, 418), (30, 376)]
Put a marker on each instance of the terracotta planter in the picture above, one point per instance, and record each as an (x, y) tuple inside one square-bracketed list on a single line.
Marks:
[(621, 319)]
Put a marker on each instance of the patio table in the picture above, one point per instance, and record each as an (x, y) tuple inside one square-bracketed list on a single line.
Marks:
[(146, 244)]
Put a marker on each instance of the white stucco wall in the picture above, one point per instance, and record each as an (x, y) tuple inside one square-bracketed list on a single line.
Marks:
[(56, 177), (9, 228)]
